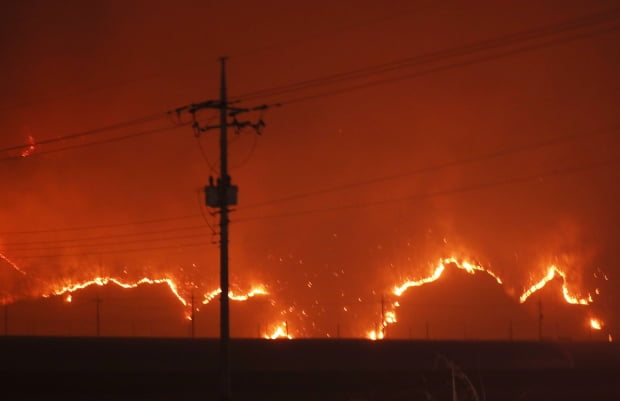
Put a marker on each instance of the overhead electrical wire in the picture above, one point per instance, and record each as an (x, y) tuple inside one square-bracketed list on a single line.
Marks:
[(136, 121), (465, 63), (103, 244), (499, 42), (95, 131), (104, 237), (445, 192), (440, 166), (459, 51), (409, 198), (420, 170), (103, 226), (250, 52), (121, 251)]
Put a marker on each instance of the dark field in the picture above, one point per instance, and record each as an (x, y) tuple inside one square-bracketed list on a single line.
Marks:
[(44, 368)]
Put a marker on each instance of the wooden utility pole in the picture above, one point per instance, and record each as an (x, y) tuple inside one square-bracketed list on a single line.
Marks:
[(193, 317), (222, 195), (540, 320), (382, 316), (98, 301), (223, 198)]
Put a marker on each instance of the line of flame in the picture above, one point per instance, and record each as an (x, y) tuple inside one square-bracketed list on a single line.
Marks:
[(471, 268), (101, 281), (551, 272), (258, 290)]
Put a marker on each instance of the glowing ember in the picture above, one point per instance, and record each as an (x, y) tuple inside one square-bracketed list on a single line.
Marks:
[(551, 273), (281, 331), (28, 151), (596, 324), (12, 264), (69, 298)]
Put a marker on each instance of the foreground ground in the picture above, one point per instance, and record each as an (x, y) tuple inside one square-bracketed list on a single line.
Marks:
[(44, 368)]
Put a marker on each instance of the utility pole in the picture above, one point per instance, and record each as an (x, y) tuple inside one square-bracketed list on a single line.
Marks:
[(98, 301), (6, 319), (540, 320), (223, 198), (222, 195), (383, 316), (193, 317)]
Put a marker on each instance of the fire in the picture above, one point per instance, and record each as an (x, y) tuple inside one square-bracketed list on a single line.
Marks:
[(102, 281), (551, 273), (374, 335), (28, 151), (281, 331), (388, 313), (389, 316), (258, 290), (470, 268), (596, 324), (12, 264)]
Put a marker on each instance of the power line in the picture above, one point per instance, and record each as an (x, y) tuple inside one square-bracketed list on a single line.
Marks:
[(90, 132), (435, 167), (445, 192), (445, 67), (96, 227), (374, 70), (104, 244), (174, 70), (131, 250), (460, 51), (104, 237), (425, 169)]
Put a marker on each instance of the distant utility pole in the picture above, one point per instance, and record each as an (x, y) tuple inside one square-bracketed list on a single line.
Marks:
[(540, 320), (193, 317), (98, 302), (382, 316), (221, 195)]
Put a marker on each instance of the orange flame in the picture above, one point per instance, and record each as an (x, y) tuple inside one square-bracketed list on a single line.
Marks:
[(101, 281), (472, 268), (596, 324), (258, 290), (281, 331), (551, 272)]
